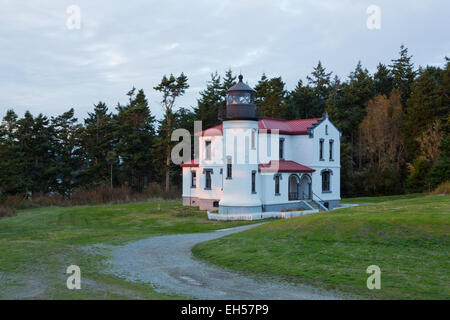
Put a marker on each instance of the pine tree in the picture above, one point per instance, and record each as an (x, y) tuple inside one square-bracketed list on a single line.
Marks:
[(425, 105), (271, 97), (171, 88), (403, 74), (67, 157), (134, 131), (98, 147), (211, 101), (383, 81), (12, 177)]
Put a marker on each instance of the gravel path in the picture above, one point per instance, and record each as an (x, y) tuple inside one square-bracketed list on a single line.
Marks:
[(166, 262)]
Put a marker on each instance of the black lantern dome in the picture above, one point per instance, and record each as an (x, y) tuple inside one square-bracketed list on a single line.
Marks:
[(240, 103)]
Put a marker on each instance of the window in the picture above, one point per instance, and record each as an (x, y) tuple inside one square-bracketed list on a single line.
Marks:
[(325, 181), (207, 150), (229, 168), (331, 150), (282, 148), (321, 149), (253, 181), (208, 173), (193, 179), (277, 184), (215, 204), (253, 142), (326, 129)]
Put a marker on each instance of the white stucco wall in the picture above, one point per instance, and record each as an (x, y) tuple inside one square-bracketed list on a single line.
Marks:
[(237, 191)]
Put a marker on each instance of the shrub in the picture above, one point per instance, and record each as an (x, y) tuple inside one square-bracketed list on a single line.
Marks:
[(6, 211), (83, 196), (443, 188)]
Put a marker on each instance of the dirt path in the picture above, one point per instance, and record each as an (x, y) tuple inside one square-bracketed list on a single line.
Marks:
[(167, 263)]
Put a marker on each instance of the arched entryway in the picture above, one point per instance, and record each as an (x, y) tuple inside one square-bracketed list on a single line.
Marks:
[(305, 187), (294, 183)]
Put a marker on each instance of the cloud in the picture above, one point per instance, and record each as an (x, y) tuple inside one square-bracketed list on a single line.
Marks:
[(45, 67)]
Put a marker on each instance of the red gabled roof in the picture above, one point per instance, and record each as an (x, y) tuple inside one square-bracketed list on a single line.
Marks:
[(291, 127), (190, 163), (283, 166), (287, 126), (213, 131)]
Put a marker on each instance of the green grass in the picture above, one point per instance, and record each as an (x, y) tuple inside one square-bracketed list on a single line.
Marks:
[(381, 199), (407, 238), (37, 246)]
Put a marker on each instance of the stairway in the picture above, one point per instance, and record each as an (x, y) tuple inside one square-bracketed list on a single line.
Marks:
[(316, 205)]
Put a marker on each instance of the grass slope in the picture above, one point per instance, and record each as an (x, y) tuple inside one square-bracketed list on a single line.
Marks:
[(37, 246), (408, 239)]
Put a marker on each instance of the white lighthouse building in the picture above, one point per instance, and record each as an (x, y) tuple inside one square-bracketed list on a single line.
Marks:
[(250, 164)]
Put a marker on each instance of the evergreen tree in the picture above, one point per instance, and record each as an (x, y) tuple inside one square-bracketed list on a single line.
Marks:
[(302, 103), (134, 131), (36, 143), (319, 81), (211, 100), (12, 178), (271, 97), (403, 74), (67, 152), (98, 142), (171, 88), (383, 81), (426, 104)]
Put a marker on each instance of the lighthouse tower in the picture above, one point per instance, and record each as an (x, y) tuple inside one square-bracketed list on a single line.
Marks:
[(240, 145)]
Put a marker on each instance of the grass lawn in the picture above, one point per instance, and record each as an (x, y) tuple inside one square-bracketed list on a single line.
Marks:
[(37, 246), (407, 238), (381, 199)]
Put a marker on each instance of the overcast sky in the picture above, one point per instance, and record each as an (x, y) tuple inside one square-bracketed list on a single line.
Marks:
[(47, 67)]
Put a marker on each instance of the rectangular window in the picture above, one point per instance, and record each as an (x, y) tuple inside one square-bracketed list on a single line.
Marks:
[(277, 185), (331, 149), (193, 179), (207, 150), (326, 129), (253, 142), (281, 148), (326, 181), (208, 180), (229, 168), (253, 181), (321, 149)]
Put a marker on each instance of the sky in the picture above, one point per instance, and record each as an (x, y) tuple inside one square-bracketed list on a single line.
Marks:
[(52, 59)]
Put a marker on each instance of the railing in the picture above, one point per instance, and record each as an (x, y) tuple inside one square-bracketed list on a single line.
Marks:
[(321, 205)]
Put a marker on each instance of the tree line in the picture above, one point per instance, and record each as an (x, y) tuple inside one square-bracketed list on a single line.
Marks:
[(394, 125)]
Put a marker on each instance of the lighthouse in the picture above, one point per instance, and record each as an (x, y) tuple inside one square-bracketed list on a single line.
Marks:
[(240, 145)]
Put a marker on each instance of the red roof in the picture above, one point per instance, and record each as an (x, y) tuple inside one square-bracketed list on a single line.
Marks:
[(290, 127), (213, 131), (283, 166), (191, 163), (287, 126)]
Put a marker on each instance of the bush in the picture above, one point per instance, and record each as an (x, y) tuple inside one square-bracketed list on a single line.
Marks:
[(443, 188), (83, 196), (6, 211)]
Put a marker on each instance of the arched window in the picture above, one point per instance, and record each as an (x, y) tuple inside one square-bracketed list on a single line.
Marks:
[(326, 180), (293, 187)]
